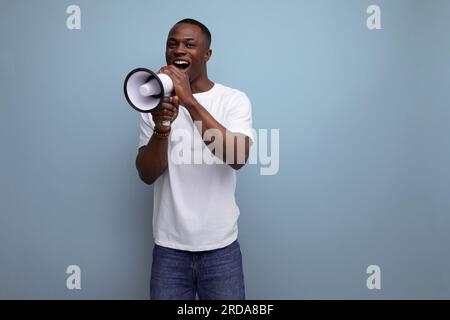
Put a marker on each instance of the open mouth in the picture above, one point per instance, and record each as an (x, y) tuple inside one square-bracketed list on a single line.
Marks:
[(181, 64)]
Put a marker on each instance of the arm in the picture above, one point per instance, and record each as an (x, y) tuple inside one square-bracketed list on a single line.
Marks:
[(151, 161), (236, 144)]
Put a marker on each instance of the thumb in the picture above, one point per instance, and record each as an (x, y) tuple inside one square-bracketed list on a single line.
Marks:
[(175, 101)]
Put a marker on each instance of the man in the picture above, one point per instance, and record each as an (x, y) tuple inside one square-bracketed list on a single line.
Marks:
[(195, 214)]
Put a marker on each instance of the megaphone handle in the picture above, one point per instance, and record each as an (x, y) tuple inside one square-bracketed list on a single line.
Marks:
[(166, 122)]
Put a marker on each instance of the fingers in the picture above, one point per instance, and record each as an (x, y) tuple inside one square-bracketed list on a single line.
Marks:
[(174, 101), (173, 72), (166, 70), (162, 115), (166, 111), (163, 111), (168, 104)]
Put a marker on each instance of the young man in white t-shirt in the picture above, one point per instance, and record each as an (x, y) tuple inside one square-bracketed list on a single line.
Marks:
[(192, 164)]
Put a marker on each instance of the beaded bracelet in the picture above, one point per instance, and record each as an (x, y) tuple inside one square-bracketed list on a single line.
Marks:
[(162, 135)]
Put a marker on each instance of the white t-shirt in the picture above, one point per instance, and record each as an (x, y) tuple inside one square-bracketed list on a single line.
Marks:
[(194, 205)]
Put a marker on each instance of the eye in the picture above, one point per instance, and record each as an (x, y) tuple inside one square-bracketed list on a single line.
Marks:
[(171, 45), (190, 45)]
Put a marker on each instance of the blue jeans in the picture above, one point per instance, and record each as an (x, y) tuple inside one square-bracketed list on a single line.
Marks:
[(213, 275)]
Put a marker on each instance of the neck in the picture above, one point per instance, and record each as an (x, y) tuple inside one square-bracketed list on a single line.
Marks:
[(201, 84)]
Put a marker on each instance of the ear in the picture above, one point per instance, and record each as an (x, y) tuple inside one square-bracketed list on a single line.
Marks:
[(207, 55)]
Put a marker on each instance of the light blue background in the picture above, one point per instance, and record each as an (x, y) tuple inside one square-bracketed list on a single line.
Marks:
[(364, 145)]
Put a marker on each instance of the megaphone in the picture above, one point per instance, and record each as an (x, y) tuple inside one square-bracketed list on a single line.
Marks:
[(145, 90)]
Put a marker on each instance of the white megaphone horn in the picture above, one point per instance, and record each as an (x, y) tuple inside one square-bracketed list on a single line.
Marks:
[(145, 90)]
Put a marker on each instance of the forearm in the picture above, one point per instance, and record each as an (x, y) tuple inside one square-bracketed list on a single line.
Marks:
[(232, 152), (151, 161)]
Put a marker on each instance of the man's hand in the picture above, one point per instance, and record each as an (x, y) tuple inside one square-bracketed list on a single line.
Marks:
[(167, 111), (181, 84)]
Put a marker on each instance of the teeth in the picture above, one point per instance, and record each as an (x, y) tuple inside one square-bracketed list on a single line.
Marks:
[(180, 62)]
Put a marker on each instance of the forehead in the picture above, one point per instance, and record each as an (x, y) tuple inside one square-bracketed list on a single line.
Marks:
[(185, 30)]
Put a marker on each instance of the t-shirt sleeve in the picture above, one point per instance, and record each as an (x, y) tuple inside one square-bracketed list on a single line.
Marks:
[(239, 116), (146, 129)]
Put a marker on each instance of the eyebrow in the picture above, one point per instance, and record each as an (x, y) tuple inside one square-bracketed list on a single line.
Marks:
[(186, 38)]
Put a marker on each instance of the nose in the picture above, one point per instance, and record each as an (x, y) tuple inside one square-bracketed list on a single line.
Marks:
[(180, 49)]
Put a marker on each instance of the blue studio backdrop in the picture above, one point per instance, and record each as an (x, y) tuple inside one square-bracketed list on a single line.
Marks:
[(362, 113)]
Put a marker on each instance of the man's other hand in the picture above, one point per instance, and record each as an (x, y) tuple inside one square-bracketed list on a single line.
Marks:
[(167, 111)]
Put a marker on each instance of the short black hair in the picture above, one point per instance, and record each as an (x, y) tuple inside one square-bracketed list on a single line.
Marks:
[(205, 30)]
